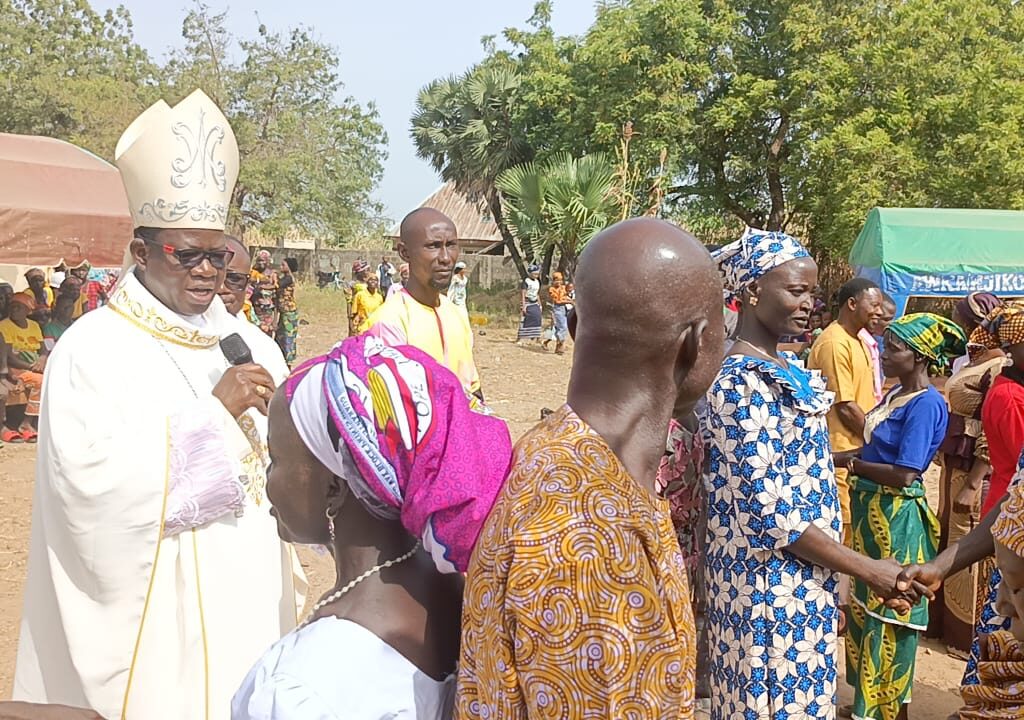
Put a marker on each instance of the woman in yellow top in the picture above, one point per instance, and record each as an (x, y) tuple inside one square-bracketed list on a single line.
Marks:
[(24, 364), (366, 302)]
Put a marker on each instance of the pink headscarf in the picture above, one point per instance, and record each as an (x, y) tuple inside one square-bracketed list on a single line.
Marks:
[(419, 452)]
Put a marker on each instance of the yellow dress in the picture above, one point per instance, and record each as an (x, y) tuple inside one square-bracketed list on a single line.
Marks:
[(365, 304), (577, 602)]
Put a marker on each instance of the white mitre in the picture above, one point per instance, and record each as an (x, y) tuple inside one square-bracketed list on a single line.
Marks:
[(179, 165)]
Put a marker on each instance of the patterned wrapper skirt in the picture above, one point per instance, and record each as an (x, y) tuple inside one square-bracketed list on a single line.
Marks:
[(529, 328), (1001, 672), (287, 331), (881, 644), (266, 315), (989, 619)]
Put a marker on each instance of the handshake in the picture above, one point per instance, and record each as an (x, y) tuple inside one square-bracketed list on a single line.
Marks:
[(903, 587)]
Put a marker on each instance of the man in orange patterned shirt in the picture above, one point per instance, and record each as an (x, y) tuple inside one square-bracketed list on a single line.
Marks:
[(577, 603)]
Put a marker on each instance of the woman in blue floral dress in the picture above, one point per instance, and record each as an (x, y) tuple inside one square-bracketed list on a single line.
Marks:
[(773, 530)]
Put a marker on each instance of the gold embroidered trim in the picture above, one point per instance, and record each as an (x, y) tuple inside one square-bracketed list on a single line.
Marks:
[(254, 478), (148, 319), (152, 574), (255, 463)]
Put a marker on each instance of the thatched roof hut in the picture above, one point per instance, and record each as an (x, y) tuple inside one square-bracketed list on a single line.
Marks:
[(478, 233)]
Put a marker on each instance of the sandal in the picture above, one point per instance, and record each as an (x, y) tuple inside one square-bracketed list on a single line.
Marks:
[(11, 436), (28, 435)]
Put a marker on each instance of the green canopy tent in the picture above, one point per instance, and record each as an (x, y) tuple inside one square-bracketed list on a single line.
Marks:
[(931, 252)]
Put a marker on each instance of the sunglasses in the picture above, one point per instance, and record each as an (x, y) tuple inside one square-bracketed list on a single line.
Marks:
[(190, 258), (236, 280)]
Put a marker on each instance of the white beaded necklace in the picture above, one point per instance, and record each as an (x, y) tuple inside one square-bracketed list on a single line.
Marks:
[(372, 571)]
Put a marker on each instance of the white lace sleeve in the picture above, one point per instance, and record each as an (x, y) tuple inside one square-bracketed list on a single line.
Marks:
[(204, 479)]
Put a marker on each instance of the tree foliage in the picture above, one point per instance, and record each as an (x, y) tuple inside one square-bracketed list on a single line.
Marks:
[(785, 114), (310, 157), (560, 203), (309, 160), (71, 73), (914, 104)]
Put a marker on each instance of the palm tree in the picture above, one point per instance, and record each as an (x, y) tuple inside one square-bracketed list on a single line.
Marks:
[(561, 203), (465, 128)]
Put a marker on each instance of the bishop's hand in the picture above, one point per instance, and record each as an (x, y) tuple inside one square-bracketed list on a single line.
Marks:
[(243, 387)]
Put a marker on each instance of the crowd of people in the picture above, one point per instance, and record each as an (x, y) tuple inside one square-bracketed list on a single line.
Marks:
[(31, 322), (271, 303), (697, 525)]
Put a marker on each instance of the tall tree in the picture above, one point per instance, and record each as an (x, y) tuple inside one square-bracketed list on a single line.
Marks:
[(464, 127), (311, 157)]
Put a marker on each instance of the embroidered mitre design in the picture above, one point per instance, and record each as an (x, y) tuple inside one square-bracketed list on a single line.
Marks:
[(179, 165)]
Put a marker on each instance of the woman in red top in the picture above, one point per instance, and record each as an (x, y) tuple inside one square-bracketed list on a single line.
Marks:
[(1002, 416)]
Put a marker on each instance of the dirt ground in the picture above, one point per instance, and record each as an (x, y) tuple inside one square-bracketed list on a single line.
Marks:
[(518, 383)]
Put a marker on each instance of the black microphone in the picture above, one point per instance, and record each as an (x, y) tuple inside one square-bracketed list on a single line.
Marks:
[(235, 349)]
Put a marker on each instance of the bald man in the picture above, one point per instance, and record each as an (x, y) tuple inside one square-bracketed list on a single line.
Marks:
[(577, 603), (420, 314)]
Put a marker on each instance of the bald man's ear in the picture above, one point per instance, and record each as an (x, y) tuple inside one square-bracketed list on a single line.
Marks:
[(691, 340), (689, 348), (403, 252), (571, 320)]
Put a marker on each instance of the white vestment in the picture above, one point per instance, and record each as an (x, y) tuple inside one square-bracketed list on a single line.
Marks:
[(118, 617)]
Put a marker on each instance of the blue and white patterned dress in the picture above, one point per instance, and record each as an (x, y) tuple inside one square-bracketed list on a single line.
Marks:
[(771, 616)]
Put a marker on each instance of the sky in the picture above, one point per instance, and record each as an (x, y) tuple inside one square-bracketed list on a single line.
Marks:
[(389, 49)]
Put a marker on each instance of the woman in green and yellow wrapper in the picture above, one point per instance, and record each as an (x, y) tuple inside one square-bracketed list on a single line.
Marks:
[(891, 517)]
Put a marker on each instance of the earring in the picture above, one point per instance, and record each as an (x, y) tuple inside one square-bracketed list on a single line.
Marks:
[(753, 300), (330, 522)]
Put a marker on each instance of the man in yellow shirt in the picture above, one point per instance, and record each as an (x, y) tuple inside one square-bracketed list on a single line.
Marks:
[(366, 301), (841, 356), (26, 360), (420, 314)]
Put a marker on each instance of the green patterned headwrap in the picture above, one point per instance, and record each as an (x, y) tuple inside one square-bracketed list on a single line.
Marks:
[(931, 336)]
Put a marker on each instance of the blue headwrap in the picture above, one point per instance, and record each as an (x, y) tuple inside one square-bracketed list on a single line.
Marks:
[(752, 256)]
